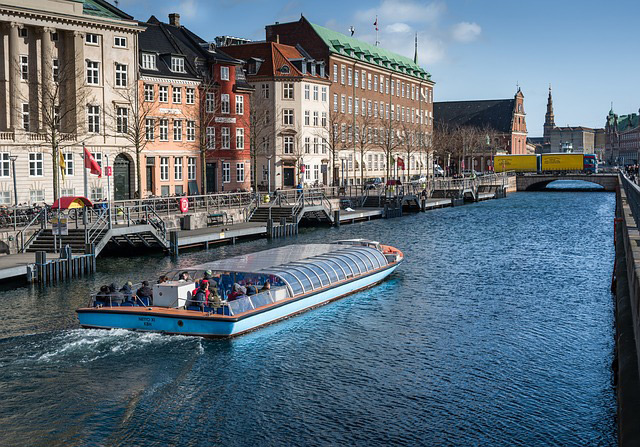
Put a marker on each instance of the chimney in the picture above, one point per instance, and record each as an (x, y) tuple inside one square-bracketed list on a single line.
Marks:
[(277, 38), (174, 19)]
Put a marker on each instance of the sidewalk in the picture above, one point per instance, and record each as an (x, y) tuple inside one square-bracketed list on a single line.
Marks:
[(13, 266)]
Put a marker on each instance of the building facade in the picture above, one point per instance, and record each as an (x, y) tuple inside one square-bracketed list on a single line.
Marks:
[(577, 139), (380, 103), (291, 107), (622, 139), (64, 65)]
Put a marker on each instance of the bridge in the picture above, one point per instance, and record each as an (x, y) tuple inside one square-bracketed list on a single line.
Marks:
[(538, 182)]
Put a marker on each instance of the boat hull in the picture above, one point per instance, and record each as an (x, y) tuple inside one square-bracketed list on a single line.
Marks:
[(172, 321)]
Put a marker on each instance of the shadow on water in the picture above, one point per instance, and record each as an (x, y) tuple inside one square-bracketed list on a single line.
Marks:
[(573, 186), (498, 330)]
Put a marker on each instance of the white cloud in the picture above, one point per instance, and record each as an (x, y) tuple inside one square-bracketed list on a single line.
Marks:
[(398, 28), (466, 32), (391, 11)]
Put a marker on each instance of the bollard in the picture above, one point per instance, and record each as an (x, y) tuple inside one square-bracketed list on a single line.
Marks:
[(336, 218), (173, 243)]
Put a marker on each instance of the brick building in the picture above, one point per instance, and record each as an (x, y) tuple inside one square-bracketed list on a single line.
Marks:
[(622, 139), (375, 92)]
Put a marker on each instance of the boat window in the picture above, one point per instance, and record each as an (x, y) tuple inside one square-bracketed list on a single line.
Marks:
[(292, 280), (357, 266), (340, 270), (315, 280), (302, 277), (314, 265), (261, 299), (240, 305), (348, 271), (368, 265), (379, 256), (331, 271), (367, 253)]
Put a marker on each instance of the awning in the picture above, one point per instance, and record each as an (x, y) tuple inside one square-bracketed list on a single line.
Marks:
[(66, 203)]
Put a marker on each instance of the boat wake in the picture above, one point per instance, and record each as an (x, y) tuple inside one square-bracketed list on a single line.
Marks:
[(88, 345)]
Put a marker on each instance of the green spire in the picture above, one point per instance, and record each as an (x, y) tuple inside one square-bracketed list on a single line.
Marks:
[(415, 55)]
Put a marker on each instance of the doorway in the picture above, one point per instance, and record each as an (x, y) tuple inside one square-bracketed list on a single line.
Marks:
[(211, 178), (288, 175), (122, 177)]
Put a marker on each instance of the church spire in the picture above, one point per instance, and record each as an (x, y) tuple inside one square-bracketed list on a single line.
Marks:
[(549, 120), (415, 54)]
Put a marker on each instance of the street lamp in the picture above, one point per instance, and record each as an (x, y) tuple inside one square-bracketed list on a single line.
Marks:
[(13, 159), (222, 175), (269, 173)]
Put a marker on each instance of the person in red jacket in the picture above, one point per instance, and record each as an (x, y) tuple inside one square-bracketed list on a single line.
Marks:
[(200, 295)]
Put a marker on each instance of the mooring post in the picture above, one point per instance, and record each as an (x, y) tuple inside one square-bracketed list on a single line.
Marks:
[(336, 218), (173, 243)]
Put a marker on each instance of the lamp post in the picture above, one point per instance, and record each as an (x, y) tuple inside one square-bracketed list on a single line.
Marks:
[(269, 173), (13, 159), (106, 156), (222, 175)]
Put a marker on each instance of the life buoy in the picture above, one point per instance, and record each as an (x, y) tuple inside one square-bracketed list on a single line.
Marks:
[(184, 205)]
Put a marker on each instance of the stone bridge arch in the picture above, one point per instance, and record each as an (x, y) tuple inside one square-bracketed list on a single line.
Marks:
[(539, 182)]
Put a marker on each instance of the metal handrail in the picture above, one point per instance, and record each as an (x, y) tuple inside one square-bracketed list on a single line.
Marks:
[(38, 216)]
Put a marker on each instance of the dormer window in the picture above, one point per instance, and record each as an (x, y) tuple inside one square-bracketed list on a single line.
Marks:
[(304, 67), (284, 69), (177, 64), (313, 69), (322, 70), (148, 61)]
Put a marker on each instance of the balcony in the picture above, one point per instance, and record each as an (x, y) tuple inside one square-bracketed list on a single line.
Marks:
[(7, 136)]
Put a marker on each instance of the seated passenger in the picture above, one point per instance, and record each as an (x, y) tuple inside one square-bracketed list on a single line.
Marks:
[(163, 279), (266, 286), (184, 277), (251, 289), (200, 295), (208, 275), (126, 291), (145, 293), (102, 297), (236, 292), (214, 299), (116, 297)]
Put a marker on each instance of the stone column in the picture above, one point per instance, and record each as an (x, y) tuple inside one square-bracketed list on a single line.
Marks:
[(14, 77), (79, 75), (46, 73)]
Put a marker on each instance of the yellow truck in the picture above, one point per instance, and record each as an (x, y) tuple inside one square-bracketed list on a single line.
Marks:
[(561, 162), (518, 163)]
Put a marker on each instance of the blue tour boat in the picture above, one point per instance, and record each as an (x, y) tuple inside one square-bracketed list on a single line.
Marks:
[(300, 277)]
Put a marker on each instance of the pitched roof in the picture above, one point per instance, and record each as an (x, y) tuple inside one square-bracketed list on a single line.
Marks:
[(496, 113), (101, 8), (625, 122), (345, 45)]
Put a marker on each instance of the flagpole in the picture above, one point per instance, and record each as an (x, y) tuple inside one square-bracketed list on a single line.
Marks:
[(86, 185), (377, 41)]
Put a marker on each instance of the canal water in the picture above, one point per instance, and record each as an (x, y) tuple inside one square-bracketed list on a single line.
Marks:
[(497, 330)]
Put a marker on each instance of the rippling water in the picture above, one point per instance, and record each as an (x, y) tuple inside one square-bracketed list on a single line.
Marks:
[(498, 330)]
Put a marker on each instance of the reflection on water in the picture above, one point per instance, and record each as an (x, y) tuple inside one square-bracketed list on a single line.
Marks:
[(498, 330)]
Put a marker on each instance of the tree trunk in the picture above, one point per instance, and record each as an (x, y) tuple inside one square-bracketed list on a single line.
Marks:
[(139, 171), (203, 170), (55, 155)]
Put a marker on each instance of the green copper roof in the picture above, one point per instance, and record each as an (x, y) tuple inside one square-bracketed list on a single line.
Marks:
[(625, 122), (354, 48), (100, 9)]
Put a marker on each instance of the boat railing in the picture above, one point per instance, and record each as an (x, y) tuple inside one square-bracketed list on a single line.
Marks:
[(252, 302), (122, 301)]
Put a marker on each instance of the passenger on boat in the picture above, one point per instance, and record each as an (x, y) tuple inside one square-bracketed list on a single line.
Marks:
[(214, 299), (266, 286), (116, 297), (145, 293), (163, 279), (200, 295), (184, 276), (102, 297), (126, 291), (235, 292), (251, 289)]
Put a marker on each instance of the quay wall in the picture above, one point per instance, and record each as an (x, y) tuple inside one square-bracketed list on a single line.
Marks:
[(627, 305)]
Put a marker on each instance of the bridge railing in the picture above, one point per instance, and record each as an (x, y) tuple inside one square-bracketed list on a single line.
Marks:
[(632, 190)]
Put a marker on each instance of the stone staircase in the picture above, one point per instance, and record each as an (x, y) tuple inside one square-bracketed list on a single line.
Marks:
[(261, 214), (45, 241)]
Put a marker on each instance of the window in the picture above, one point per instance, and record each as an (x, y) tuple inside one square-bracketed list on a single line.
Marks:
[(148, 92), (191, 168), (163, 93), (91, 39), (343, 132), (55, 64), (364, 79), (369, 108), (356, 78), (342, 74), (93, 76), (287, 90), (177, 168), (120, 42), (177, 95), (265, 91), (287, 117), (211, 137), (23, 32), (191, 131), (164, 130), (164, 190), (375, 83), (315, 118), (177, 64), (324, 119), (177, 130), (210, 103), (307, 91), (307, 145), (387, 86), (357, 106), (288, 145), (164, 169), (224, 103), (226, 138), (36, 162), (68, 163), (36, 195), (343, 103), (224, 73), (122, 119), (350, 76), (93, 119), (121, 75), (316, 172), (324, 94), (393, 90), (239, 105), (149, 61), (335, 72), (191, 95), (307, 118), (240, 172), (5, 197), (350, 105), (5, 164), (315, 93), (240, 138), (226, 172), (97, 156), (335, 102), (149, 127), (307, 172), (369, 81), (25, 116)]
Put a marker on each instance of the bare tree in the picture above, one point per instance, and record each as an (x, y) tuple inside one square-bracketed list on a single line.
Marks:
[(261, 130), (129, 118), (329, 133), (389, 142), (55, 98), (409, 143), (364, 129)]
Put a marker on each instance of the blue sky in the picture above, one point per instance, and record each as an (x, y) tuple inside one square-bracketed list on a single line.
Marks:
[(474, 49)]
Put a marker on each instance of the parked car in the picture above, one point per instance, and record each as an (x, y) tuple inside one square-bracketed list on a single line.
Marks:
[(373, 183), (438, 171)]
